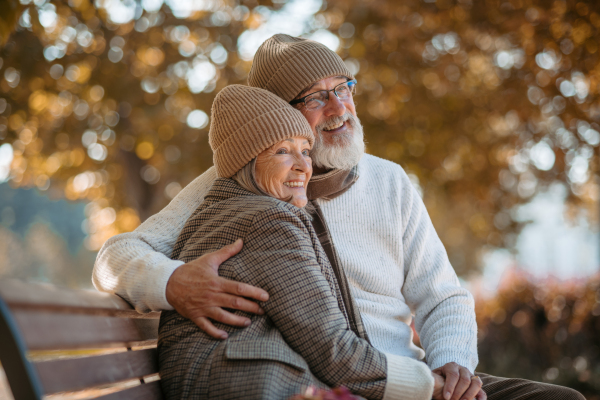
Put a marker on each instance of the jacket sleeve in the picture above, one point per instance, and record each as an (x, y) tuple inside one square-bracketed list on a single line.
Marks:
[(444, 311), (301, 305), (136, 265)]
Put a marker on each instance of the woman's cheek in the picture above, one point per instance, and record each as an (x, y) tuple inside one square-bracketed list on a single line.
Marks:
[(270, 185), (268, 178)]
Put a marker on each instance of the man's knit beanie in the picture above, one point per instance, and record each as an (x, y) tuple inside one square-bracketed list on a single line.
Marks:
[(286, 65), (245, 121)]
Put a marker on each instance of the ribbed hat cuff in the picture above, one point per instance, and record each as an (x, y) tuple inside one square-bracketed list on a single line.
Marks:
[(245, 144), (304, 69)]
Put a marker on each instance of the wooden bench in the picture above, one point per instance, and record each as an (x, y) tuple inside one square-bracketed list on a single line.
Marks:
[(55, 340)]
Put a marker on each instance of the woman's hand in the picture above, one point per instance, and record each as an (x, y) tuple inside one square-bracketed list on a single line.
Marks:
[(438, 386)]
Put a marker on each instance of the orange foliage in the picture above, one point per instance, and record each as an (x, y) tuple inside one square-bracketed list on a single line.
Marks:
[(484, 103)]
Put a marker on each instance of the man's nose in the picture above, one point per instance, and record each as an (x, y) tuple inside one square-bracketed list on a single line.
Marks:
[(334, 107)]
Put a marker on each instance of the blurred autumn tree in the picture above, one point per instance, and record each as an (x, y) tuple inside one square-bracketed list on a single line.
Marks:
[(544, 332), (111, 111), (484, 103)]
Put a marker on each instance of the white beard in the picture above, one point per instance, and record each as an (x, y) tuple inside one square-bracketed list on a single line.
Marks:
[(346, 150)]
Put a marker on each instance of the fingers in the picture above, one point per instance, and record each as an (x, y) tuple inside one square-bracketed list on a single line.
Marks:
[(481, 395), (244, 290), (205, 325), (452, 375), (197, 292), (438, 385), (217, 257), (463, 384), (223, 316), (220, 315), (473, 389), (238, 303)]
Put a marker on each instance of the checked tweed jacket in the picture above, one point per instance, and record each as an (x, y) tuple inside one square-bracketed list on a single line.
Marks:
[(303, 338)]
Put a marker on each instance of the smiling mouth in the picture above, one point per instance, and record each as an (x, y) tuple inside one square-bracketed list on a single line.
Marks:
[(294, 184), (334, 127)]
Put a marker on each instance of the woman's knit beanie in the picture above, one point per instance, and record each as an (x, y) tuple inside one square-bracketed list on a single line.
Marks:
[(286, 65), (245, 121)]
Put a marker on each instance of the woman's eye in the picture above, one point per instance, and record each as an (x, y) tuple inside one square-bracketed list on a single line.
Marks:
[(281, 151), (306, 153)]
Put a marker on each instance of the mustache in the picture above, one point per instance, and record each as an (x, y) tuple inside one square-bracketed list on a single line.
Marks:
[(335, 120)]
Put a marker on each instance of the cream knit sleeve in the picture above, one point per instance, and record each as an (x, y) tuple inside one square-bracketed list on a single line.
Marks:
[(137, 265), (444, 311)]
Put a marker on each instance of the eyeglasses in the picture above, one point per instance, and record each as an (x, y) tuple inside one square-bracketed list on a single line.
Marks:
[(319, 99)]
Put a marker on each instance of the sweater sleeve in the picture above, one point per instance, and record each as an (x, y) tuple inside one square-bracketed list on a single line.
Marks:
[(136, 265), (301, 305), (444, 311)]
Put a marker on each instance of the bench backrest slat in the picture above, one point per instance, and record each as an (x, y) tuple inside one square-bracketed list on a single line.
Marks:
[(80, 373), (142, 392), (44, 330), (40, 317), (17, 292)]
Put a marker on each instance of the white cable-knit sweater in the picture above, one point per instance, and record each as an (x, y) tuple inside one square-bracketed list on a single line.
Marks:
[(395, 263)]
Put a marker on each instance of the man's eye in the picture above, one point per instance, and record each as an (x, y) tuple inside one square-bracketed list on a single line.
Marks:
[(306, 152), (281, 151), (314, 104), (318, 96)]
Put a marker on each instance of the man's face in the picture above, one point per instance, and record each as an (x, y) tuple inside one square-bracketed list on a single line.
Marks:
[(334, 108), (338, 133)]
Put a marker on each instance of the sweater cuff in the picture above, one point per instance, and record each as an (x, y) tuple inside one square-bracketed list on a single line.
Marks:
[(469, 361), (158, 300), (407, 379)]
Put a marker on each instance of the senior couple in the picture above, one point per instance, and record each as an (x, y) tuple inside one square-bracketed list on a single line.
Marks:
[(332, 265)]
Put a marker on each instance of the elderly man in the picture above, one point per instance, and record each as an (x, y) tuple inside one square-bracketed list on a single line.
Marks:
[(372, 224)]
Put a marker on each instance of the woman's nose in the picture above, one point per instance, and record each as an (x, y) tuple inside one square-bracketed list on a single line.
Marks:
[(301, 163)]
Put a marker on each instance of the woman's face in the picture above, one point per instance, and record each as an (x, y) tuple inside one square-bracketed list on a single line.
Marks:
[(283, 170)]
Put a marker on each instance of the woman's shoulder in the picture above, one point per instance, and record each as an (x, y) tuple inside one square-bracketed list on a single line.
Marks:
[(228, 205), (259, 219), (263, 205), (226, 193)]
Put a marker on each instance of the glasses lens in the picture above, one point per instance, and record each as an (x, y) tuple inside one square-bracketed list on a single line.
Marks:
[(342, 91), (319, 99), (316, 100), (352, 86)]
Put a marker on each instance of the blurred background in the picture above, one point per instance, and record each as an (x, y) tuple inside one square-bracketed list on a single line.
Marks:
[(492, 107)]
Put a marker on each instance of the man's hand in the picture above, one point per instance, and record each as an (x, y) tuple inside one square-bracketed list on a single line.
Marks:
[(197, 292), (460, 384), (438, 386)]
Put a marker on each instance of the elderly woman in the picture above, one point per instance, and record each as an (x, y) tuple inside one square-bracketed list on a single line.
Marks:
[(261, 152)]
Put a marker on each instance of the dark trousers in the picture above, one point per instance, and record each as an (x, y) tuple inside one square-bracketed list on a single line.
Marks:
[(498, 388)]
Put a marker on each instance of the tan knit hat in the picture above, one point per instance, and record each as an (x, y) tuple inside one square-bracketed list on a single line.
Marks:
[(286, 65), (245, 121)]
